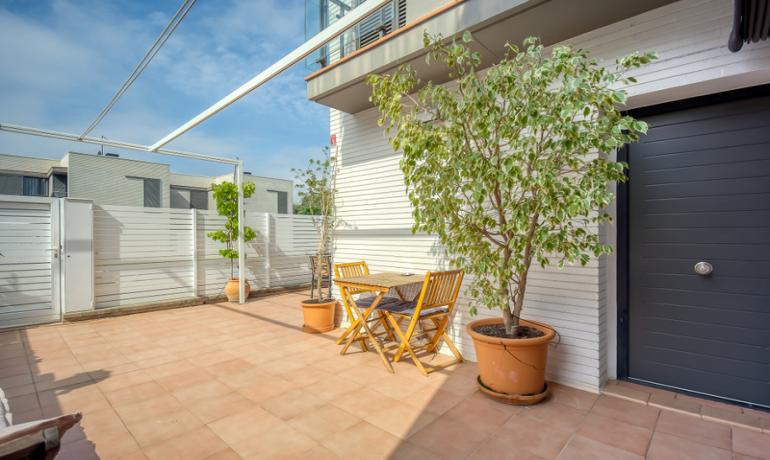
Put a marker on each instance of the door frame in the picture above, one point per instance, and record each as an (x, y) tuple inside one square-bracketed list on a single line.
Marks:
[(622, 222)]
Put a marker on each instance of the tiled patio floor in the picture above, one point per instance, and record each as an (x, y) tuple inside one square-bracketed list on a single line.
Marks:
[(224, 381)]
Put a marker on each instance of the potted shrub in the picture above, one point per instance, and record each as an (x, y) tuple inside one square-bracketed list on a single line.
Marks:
[(316, 191), (504, 169), (226, 198)]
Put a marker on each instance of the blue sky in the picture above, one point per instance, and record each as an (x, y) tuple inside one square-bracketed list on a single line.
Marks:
[(62, 60)]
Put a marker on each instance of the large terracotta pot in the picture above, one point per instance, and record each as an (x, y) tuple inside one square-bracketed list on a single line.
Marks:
[(318, 316), (231, 289), (512, 370)]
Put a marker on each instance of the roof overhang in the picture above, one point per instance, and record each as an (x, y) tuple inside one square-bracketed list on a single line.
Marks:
[(493, 24)]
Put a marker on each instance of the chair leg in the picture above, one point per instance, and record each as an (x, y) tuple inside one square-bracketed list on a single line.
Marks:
[(405, 345)]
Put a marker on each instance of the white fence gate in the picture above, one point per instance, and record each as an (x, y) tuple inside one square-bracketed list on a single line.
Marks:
[(29, 261)]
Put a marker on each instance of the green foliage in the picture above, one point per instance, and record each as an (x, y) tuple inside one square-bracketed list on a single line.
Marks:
[(503, 167), (226, 198), (317, 192)]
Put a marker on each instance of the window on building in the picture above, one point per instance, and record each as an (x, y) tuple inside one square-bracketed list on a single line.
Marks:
[(59, 185), (282, 201), (183, 198), (10, 184), (35, 186), (199, 199), (151, 193)]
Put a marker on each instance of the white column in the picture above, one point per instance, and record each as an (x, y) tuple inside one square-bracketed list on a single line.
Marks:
[(194, 214), (241, 245)]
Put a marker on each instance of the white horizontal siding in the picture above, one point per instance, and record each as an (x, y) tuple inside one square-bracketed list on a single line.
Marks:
[(690, 37), (145, 255), (142, 255)]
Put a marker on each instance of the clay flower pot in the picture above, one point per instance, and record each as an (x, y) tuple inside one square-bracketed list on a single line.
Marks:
[(231, 289), (512, 370), (318, 315)]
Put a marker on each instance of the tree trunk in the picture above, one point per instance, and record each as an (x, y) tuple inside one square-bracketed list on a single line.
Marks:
[(508, 321)]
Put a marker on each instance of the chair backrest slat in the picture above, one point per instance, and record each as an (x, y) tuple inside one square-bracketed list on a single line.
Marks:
[(440, 289), (350, 270)]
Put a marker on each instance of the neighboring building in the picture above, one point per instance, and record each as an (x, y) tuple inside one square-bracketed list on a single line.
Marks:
[(699, 189), (111, 180)]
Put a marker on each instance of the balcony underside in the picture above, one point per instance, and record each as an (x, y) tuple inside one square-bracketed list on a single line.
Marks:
[(493, 24)]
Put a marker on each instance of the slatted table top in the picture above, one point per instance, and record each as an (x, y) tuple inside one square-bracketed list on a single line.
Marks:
[(385, 280)]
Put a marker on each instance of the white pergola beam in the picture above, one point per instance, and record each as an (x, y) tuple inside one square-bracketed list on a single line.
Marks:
[(112, 143), (320, 39)]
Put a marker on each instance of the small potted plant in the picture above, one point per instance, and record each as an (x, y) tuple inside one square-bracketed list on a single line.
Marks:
[(226, 198), (317, 192), (504, 169)]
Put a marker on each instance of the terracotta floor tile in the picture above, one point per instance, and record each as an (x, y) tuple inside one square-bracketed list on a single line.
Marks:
[(16, 380), (134, 393), (725, 415), (184, 379), (156, 406), (582, 448), (578, 399), (632, 438), (502, 447), (23, 403), (242, 425), (669, 402), (401, 420), (749, 442), (324, 422), (482, 413), (267, 387), (668, 447), (555, 414), (362, 440), (319, 452), (227, 454), (432, 399), (201, 391), (363, 402), (193, 445), (695, 429), (293, 403), (540, 438), (448, 439), (116, 382), (277, 441), (114, 444), (626, 411), (19, 390), (214, 408), (409, 451), (82, 449), (163, 426)]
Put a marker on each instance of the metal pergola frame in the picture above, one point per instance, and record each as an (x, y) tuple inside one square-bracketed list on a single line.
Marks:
[(299, 53)]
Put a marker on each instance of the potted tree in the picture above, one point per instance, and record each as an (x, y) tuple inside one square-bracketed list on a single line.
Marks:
[(226, 198), (504, 169), (317, 192)]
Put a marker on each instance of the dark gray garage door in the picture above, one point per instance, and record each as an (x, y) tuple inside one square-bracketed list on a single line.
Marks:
[(700, 192)]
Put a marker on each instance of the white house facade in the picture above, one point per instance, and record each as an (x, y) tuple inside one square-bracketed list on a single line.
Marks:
[(698, 181)]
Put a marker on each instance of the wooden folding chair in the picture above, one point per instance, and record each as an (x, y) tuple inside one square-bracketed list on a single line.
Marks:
[(351, 270), (436, 304)]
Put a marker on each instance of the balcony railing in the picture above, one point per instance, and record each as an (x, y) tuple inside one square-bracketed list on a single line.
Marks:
[(320, 14)]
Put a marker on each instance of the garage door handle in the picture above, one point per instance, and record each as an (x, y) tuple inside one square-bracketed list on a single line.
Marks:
[(703, 268)]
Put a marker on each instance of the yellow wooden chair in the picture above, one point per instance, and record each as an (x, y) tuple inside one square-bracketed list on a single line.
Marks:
[(436, 303), (351, 270)]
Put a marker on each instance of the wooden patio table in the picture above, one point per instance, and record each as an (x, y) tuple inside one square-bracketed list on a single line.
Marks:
[(378, 284)]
